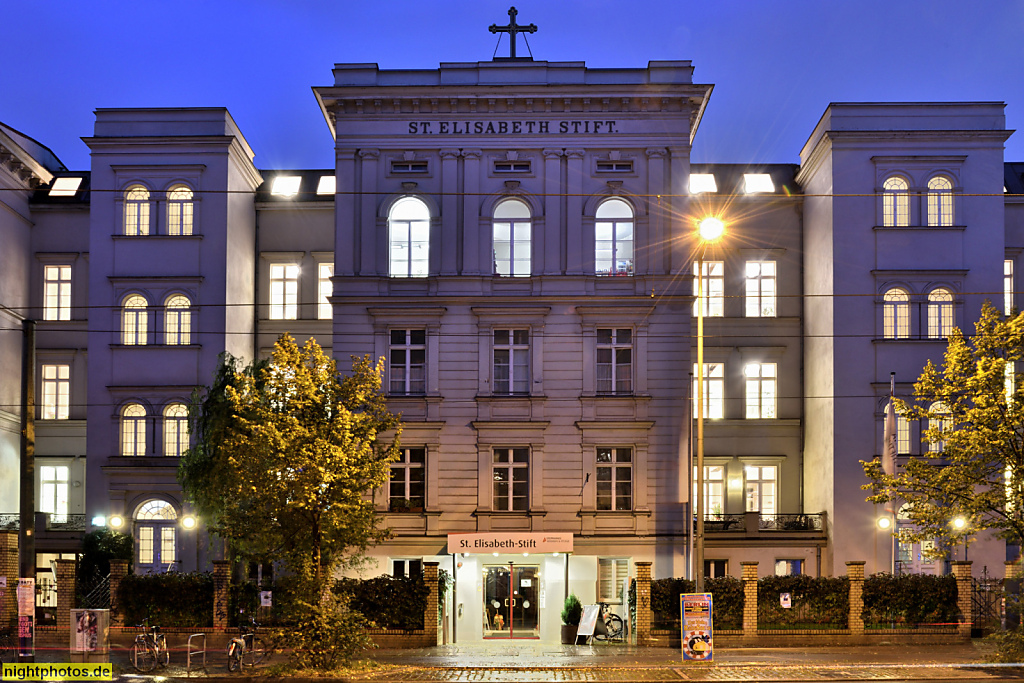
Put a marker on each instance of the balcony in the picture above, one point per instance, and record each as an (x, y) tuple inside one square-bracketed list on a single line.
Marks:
[(756, 525), (45, 521)]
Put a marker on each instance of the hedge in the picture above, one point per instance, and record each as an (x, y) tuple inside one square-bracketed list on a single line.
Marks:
[(727, 606), (910, 600), (172, 599), (822, 602), (389, 602)]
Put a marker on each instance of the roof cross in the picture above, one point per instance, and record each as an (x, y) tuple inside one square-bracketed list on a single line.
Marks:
[(512, 29)]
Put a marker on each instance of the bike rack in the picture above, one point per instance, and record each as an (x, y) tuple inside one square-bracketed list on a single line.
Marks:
[(194, 651)]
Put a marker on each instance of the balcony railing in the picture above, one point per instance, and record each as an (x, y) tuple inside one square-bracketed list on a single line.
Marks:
[(10, 522), (49, 522), (798, 522), (755, 522)]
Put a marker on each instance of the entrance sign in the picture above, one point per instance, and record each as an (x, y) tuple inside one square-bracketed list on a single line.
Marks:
[(696, 613), (588, 622), (493, 542)]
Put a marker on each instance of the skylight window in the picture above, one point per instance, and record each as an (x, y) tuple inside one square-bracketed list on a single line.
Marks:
[(65, 187), (702, 182), (286, 185), (757, 182), (327, 184)]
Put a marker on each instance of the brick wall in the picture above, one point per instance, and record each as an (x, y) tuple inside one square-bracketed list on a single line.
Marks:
[(749, 598), (221, 584), (855, 618), (644, 617), (118, 570), (430, 614), (65, 593), (962, 572)]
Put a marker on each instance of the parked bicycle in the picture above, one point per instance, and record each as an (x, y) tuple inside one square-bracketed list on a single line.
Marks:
[(8, 647), (149, 649), (247, 648), (613, 628)]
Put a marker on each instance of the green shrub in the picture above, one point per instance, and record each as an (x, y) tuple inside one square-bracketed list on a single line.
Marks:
[(391, 602), (910, 599), (325, 635), (1009, 646), (171, 599), (727, 601), (572, 610), (822, 602)]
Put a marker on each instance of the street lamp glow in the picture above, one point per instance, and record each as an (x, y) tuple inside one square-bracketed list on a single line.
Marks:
[(711, 228), (116, 521), (884, 522), (959, 523), (188, 522)]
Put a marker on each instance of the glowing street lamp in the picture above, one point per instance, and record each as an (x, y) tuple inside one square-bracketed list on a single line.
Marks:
[(884, 523)]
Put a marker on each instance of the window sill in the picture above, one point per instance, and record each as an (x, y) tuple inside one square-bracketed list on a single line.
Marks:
[(955, 228), (910, 340), (156, 346), (122, 236)]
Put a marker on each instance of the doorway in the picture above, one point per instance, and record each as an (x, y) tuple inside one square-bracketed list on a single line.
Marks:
[(510, 601)]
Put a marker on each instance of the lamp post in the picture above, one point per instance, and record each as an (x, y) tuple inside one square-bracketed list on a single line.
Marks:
[(960, 524), (709, 230)]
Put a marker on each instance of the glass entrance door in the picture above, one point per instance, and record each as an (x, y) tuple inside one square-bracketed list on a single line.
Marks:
[(510, 601)]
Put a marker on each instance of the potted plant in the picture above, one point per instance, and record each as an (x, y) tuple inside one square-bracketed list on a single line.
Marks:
[(572, 611)]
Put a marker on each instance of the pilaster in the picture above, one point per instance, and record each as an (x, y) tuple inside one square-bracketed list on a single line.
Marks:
[(65, 593), (855, 619), (749, 578), (221, 586), (449, 242), (962, 572), (368, 262), (118, 570), (575, 255), (474, 259), (644, 618), (554, 263), (430, 614)]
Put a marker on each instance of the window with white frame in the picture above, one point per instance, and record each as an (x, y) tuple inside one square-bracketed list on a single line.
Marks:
[(614, 360), (895, 202), (409, 238), (896, 314), (510, 470), (902, 435), (938, 424), (762, 390), (613, 238), (284, 291), (325, 289), (407, 489), (940, 201), (714, 391), (1009, 380), (714, 491), (612, 574), (56, 392), (175, 429), (760, 293), (716, 569), (511, 238), (1007, 287), (155, 540), (133, 430), (511, 362), (407, 362), (761, 482), (789, 567), (179, 210), (940, 313), (136, 211), (614, 478), (54, 484), (178, 321), (57, 293), (134, 321), (713, 288)]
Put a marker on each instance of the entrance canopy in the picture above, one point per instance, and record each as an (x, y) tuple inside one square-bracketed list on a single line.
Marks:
[(509, 542)]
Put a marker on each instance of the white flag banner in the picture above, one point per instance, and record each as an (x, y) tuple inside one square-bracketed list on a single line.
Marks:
[(889, 439)]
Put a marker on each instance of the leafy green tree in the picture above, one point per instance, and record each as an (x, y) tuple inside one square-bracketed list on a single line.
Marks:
[(972, 416), (99, 548)]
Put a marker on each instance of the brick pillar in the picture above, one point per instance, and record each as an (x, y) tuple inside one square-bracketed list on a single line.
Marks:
[(118, 570), (8, 570), (749, 579), (1011, 590), (962, 572), (855, 619), (643, 604), (430, 614), (221, 584), (65, 593)]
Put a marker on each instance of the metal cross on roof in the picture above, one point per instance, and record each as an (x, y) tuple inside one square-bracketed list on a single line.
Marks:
[(512, 29)]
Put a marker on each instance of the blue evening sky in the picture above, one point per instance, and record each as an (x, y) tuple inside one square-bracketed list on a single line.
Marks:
[(775, 64)]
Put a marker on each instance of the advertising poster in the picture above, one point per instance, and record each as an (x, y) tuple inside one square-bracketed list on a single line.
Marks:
[(26, 616), (695, 610)]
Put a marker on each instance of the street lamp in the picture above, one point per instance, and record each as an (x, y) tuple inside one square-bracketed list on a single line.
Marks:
[(960, 524), (709, 230)]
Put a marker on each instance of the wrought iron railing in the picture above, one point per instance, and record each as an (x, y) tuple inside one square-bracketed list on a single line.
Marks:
[(10, 522), (792, 522), (65, 523), (723, 522)]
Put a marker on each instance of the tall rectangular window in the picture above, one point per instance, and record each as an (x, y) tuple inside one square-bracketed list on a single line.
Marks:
[(714, 391), (713, 286), (511, 474), (902, 435), (760, 293), (1007, 286), (614, 478), (325, 271), (53, 491), (614, 361), (511, 361), (57, 293), (714, 491), (407, 365), (407, 488), (167, 550), (762, 390), (56, 392), (145, 545), (761, 482), (612, 574), (284, 291)]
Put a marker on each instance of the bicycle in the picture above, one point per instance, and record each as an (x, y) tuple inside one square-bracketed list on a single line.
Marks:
[(613, 626), (247, 649), (8, 647), (149, 649)]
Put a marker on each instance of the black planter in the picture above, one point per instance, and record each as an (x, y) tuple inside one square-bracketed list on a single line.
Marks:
[(569, 634)]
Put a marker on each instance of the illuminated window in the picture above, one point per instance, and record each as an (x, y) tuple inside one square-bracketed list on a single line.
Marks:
[(789, 567), (1007, 286), (407, 356), (714, 391), (614, 361), (757, 182), (65, 187), (896, 314), (179, 210), (613, 238), (761, 491), (409, 238), (56, 392), (761, 289), (177, 321), (902, 435), (940, 201), (510, 469), (895, 202), (938, 424), (762, 390), (175, 429), (612, 574), (940, 313), (614, 478), (54, 482), (1009, 380), (407, 488), (133, 430), (512, 230), (713, 286), (511, 362), (325, 288), (714, 491), (286, 185), (284, 291), (326, 185), (155, 536), (134, 321), (702, 182), (136, 211), (57, 293)]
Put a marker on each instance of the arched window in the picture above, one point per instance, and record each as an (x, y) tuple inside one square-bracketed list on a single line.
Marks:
[(179, 210), (133, 430), (940, 423), (895, 202), (940, 313), (613, 238), (409, 238), (134, 321), (511, 243), (896, 314), (155, 540), (136, 210), (940, 201), (175, 429), (177, 320)]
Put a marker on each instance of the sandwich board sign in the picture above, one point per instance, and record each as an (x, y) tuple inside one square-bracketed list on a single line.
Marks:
[(695, 610)]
